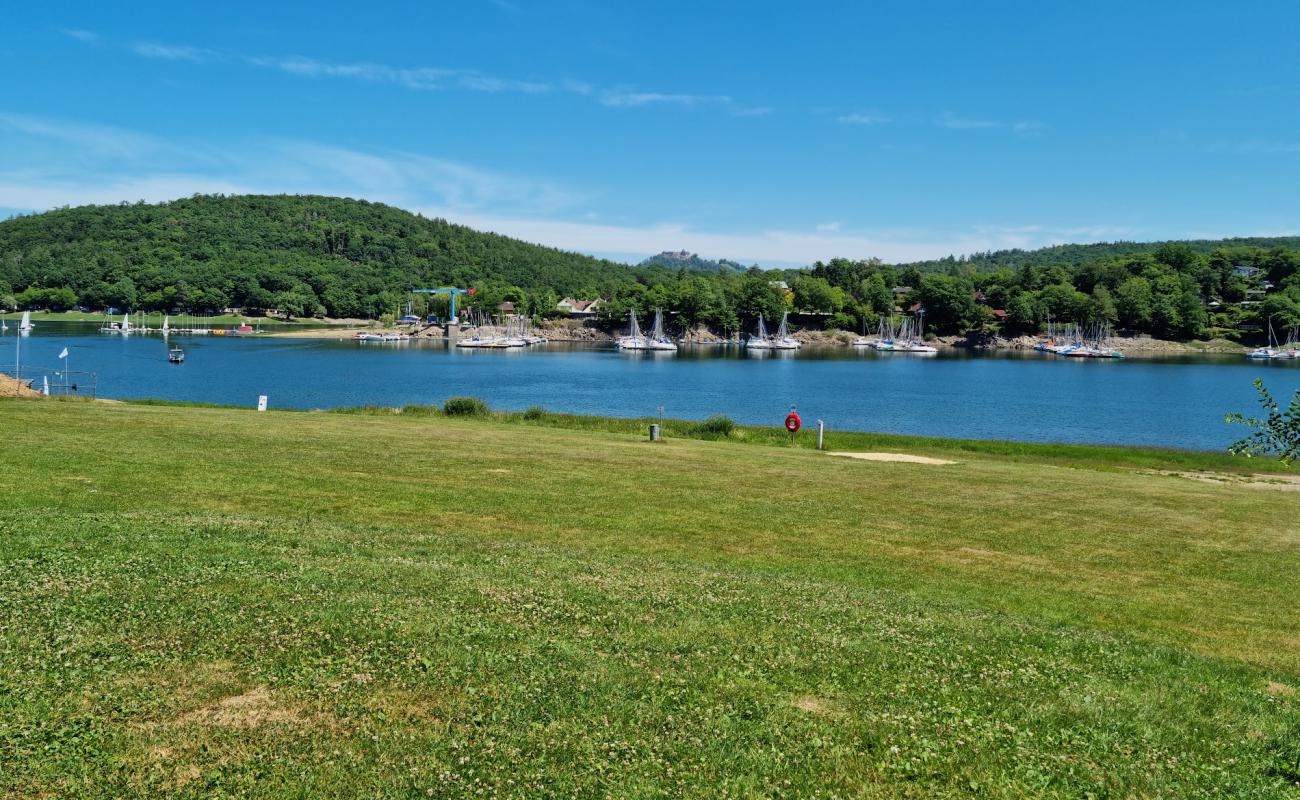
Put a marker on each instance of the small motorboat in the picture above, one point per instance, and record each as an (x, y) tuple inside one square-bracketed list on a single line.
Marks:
[(176, 355)]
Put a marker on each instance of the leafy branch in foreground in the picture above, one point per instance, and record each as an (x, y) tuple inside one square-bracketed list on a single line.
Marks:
[(1278, 432)]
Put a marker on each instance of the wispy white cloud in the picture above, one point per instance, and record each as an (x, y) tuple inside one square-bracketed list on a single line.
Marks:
[(419, 78), (621, 98), (88, 163), (173, 52), (864, 118), (90, 37), (90, 139), (956, 122)]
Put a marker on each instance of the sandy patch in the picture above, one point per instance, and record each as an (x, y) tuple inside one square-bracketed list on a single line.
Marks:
[(815, 705), (903, 457), (248, 710), (1280, 483), (10, 387), (1279, 688)]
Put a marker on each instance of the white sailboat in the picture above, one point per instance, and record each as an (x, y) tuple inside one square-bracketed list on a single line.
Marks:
[(1269, 351), (783, 340), (635, 340), (25, 325), (166, 329), (760, 341), (658, 340)]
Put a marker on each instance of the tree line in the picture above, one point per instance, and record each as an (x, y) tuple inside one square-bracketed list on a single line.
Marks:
[(311, 256)]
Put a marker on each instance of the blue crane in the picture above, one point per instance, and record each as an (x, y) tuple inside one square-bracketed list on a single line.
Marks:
[(447, 291)]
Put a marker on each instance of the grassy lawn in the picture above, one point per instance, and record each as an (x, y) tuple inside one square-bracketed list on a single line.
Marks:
[(202, 601)]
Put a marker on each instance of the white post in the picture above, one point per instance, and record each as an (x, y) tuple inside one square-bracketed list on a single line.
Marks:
[(821, 432)]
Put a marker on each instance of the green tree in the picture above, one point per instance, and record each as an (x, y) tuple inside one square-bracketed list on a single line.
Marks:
[(949, 302), (1133, 303)]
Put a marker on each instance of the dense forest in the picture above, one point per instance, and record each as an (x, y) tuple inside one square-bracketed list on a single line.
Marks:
[(680, 259), (320, 256)]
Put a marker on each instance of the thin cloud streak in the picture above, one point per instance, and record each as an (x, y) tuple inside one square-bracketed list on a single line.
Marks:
[(955, 122), (90, 37), (864, 118), (431, 79), (97, 164), (174, 52)]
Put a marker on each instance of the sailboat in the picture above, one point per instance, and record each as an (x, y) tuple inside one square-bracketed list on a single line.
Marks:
[(1271, 350), (912, 341), (166, 329), (783, 340), (658, 340), (760, 341), (25, 326), (635, 340)]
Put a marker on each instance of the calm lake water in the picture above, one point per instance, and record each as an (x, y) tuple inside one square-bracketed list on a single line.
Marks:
[(1172, 402)]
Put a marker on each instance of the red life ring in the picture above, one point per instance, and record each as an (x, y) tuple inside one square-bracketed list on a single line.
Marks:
[(793, 423)]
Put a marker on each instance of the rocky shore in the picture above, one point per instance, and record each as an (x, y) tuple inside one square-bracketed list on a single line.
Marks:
[(579, 331)]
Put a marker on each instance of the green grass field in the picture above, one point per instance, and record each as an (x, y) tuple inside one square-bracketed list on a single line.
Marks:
[(215, 602)]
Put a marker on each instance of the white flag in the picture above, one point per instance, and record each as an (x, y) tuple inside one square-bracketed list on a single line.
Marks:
[(64, 354)]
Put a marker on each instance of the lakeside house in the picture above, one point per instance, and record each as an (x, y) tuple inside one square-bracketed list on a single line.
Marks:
[(579, 308), (507, 309)]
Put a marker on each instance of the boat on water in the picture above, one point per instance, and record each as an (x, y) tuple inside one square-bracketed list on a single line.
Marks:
[(903, 338), (783, 340), (658, 339), (760, 340), (635, 339), (25, 325), (1272, 350), (176, 355), (379, 337), (1096, 343)]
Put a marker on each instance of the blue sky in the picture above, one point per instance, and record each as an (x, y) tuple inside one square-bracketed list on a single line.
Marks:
[(760, 131)]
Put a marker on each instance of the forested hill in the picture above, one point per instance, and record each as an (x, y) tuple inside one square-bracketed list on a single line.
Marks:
[(1073, 255), (685, 260), (353, 257)]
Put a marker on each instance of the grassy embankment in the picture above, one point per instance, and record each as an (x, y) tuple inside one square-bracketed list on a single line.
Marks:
[(199, 600)]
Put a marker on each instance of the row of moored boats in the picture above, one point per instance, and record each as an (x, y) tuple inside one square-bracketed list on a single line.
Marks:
[(1074, 341), (658, 339), (1290, 349), (901, 336)]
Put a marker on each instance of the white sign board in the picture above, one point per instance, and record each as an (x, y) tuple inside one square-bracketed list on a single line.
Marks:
[(261, 402)]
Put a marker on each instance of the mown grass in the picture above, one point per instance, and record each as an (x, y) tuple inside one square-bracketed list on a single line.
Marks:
[(200, 602), (1060, 454)]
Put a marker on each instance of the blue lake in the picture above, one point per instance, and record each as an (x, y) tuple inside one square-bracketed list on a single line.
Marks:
[(1172, 402)]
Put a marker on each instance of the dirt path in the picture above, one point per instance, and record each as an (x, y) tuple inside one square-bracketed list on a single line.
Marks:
[(1280, 483)]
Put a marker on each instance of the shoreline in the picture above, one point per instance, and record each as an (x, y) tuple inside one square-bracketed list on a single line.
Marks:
[(576, 331)]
